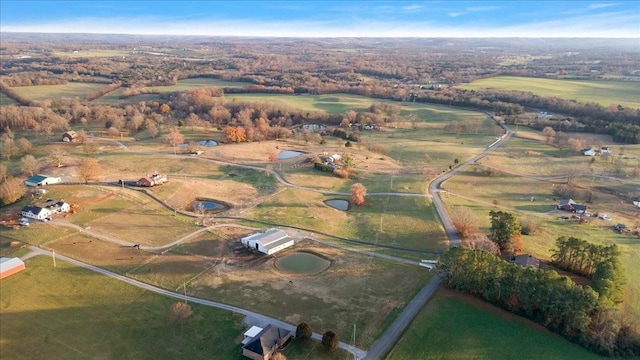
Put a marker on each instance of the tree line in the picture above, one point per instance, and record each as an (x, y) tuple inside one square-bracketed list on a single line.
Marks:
[(556, 302)]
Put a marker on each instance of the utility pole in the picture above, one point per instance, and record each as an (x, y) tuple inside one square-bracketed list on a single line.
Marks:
[(184, 284), (53, 255)]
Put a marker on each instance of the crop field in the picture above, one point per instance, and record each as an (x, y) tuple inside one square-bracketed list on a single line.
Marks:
[(601, 92), (456, 326), (68, 312), (70, 90)]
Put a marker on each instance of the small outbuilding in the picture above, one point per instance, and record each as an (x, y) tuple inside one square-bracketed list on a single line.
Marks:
[(10, 266), (266, 342), (42, 180), (268, 242), (70, 136)]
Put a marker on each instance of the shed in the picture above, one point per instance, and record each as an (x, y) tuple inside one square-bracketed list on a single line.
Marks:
[(10, 266), (41, 180), (250, 334), (268, 242), (69, 136)]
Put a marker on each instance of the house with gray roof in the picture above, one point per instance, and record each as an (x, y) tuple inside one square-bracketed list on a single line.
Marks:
[(266, 342)]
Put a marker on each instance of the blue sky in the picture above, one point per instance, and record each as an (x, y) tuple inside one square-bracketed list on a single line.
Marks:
[(328, 18)]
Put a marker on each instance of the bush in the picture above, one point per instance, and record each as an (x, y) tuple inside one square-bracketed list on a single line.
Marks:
[(529, 227), (330, 340), (303, 331)]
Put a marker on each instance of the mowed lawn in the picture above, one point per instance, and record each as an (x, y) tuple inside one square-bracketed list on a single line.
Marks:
[(52, 92), (605, 93), (454, 326), (72, 313)]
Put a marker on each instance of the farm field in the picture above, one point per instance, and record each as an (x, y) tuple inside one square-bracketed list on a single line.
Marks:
[(70, 90), (354, 289), (456, 326), (182, 85), (605, 93), (44, 312), (68, 312)]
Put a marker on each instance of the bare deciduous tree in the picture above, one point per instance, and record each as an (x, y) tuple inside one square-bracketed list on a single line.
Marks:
[(89, 169), (464, 221), (25, 146), (11, 190), (358, 193), (57, 155), (29, 165), (174, 138), (180, 312)]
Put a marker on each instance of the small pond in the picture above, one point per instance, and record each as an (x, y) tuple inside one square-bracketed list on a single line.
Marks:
[(288, 154), (209, 205), (207, 143), (338, 204), (303, 263)]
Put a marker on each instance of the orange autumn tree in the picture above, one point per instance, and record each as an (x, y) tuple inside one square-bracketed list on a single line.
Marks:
[(358, 193), (235, 134)]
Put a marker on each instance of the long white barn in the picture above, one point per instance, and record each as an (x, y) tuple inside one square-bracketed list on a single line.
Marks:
[(268, 242)]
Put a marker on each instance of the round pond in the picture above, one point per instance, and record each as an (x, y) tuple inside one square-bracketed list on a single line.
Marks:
[(303, 263), (288, 154), (207, 143), (338, 204), (209, 205)]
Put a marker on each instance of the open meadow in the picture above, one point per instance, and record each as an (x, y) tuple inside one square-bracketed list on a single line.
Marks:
[(44, 312), (71, 90), (68, 312), (456, 326), (602, 92)]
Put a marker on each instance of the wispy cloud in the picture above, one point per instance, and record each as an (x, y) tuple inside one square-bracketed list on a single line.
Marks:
[(456, 13), (482, 8), (600, 6), (413, 7)]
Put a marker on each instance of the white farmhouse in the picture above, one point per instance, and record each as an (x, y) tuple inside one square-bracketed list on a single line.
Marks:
[(268, 242), (35, 212)]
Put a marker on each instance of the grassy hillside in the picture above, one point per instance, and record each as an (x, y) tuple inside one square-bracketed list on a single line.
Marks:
[(625, 93)]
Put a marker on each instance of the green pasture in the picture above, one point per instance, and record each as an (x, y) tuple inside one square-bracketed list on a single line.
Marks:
[(407, 222), (70, 90), (68, 312), (454, 326), (182, 85), (5, 100), (189, 84), (625, 93)]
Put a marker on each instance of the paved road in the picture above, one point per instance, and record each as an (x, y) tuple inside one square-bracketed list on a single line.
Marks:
[(387, 340), (255, 318)]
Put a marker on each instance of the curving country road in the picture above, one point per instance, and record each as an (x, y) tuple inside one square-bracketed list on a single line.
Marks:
[(386, 341)]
